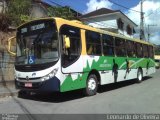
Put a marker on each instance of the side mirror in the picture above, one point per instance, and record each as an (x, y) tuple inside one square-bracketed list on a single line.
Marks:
[(67, 41), (10, 45)]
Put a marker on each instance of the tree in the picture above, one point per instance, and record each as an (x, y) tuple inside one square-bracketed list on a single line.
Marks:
[(4, 22), (63, 12), (4, 18), (19, 11)]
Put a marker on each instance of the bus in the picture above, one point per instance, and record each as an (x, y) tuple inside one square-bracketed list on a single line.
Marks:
[(54, 54)]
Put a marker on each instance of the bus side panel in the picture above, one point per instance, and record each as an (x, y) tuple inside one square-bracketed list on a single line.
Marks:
[(87, 63), (148, 67), (127, 70), (74, 76)]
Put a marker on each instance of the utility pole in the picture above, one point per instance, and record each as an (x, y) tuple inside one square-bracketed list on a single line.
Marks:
[(149, 31), (142, 37)]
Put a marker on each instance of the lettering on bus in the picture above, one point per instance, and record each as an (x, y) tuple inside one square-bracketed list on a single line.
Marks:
[(37, 27), (105, 65)]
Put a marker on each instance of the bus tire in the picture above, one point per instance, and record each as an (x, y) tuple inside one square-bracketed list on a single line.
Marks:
[(91, 85), (139, 76)]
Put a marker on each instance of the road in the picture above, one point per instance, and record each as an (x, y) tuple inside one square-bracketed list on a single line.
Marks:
[(125, 97)]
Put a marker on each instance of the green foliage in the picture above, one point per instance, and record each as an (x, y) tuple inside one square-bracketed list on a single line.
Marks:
[(63, 12), (4, 22), (24, 18), (18, 10)]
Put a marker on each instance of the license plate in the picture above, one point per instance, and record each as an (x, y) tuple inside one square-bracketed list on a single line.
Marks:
[(28, 84)]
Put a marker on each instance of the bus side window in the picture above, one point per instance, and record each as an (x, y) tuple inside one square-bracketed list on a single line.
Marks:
[(93, 43), (145, 51), (139, 51), (130, 49), (108, 45), (151, 52), (90, 50), (120, 47)]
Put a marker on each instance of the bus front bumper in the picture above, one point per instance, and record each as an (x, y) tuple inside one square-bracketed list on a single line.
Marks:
[(50, 85)]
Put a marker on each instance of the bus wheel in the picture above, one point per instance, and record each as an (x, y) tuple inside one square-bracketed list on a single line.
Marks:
[(139, 76), (91, 85)]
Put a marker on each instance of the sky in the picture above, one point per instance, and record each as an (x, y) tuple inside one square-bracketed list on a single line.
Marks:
[(151, 9)]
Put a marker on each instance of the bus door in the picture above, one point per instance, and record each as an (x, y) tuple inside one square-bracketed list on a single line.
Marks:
[(71, 59)]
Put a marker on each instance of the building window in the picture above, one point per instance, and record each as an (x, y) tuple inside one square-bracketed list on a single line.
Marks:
[(129, 30), (120, 24)]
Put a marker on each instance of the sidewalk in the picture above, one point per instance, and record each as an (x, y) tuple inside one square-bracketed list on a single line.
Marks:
[(8, 90)]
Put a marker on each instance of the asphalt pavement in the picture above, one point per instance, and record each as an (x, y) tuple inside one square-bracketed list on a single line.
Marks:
[(126, 97), (7, 90)]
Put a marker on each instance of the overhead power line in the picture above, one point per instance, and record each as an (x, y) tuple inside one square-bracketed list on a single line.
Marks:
[(50, 2), (153, 12), (100, 24), (124, 6)]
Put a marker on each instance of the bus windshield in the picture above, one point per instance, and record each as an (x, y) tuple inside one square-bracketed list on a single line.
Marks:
[(37, 43)]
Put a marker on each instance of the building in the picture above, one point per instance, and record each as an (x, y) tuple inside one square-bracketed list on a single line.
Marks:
[(39, 8), (3, 6), (111, 20)]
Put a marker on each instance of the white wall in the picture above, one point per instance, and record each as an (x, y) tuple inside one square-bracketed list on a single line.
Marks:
[(109, 21), (103, 24)]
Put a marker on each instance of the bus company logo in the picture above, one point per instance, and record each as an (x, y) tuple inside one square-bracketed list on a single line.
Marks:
[(33, 74), (27, 78)]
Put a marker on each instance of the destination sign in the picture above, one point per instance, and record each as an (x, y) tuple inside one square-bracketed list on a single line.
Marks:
[(23, 30), (38, 26)]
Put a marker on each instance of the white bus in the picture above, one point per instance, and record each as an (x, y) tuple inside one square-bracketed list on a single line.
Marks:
[(54, 54)]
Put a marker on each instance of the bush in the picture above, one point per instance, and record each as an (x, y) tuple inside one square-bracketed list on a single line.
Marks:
[(62, 12), (19, 11)]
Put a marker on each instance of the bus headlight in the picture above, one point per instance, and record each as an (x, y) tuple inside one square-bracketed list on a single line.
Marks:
[(16, 78), (50, 75)]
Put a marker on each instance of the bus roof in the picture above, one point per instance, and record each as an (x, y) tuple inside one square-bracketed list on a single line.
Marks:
[(87, 27), (83, 26)]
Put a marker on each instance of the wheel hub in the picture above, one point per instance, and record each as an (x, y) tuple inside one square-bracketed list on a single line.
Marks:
[(139, 76), (91, 84)]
